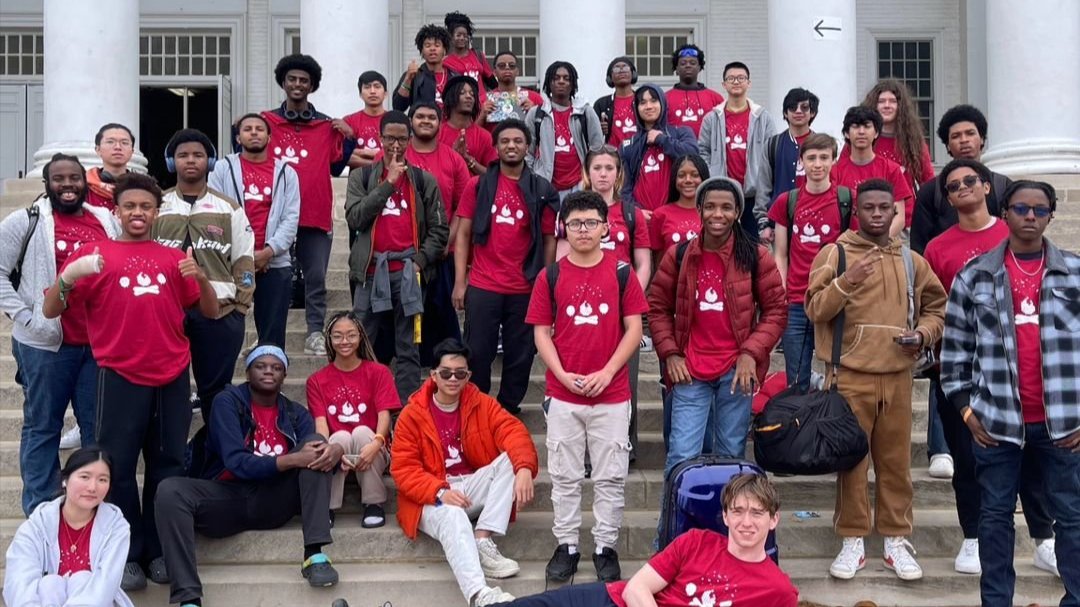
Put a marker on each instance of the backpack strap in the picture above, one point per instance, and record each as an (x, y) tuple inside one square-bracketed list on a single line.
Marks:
[(629, 217), (774, 148), (552, 278), (236, 186), (33, 213), (792, 198), (909, 270), (680, 253), (583, 122), (623, 272), (843, 200), (998, 184), (838, 322), (538, 119)]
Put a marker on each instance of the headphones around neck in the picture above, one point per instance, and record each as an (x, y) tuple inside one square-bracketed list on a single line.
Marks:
[(170, 159), (305, 115), (633, 76)]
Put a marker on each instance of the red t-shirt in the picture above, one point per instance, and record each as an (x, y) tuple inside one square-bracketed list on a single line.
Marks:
[(623, 125), (618, 238), (267, 440), (310, 147), (588, 325), (688, 107), (258, 194), (74, 547), (817, 223), (473, 65), (137, 303), (70, 232), (567, 170), (393, 229), (449, 170), (477, 141), (448, 425), (700, 571), (348, 399), (737, 126), (498, 265), (949, 252), (886, 146), (653, 178), (672, 224), (712, 350), (847, 173), (367, 129), (1025, 295)]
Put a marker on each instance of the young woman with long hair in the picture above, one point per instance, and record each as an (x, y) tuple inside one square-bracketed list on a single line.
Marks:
[(902, 139), (678, 220)]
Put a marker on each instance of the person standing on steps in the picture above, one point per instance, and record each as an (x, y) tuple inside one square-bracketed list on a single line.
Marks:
[(618, 119), (428, 81), (216, 227), (365, 123), (1008, 366), (317, 147), (586, 311), (458, 456), (902, 139), (54, 362), (689, 100), (678, 221), (269, 190), (893, 307), (966, 184), (786, 171), (508, 100), (460, 129), (462, 58), (135, 291)]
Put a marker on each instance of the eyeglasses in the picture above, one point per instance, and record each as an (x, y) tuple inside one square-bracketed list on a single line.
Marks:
[(340, 337), (583, 225), (506, 66), (689, 52), (112, 143), (737, 79), (1022, 210), (968, 181), (620, 68), (398, 140), (802, 106), (455, 373)]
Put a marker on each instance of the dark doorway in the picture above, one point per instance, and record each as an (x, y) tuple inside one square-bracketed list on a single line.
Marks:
[(162, 113)]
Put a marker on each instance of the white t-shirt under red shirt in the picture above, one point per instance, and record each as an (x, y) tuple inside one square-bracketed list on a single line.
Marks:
[(137, 305), (588, 323), (70, 232), (700, 571), (348, 399), (712, 350), (817, 223), (448, 426)]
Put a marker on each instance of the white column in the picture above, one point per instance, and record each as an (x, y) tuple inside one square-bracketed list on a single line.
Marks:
[(588, 34), (1033, 57), (91, 76), (812, 46), (346, 37)]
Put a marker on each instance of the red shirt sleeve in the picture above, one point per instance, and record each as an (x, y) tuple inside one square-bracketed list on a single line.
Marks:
[(467, 207), (642, 237), (540, 312), (656, 233), (315, 401), (778, 210), (633, 299), (191, 293), (902, 191), (386, 396), (547, 222), (668, 561)]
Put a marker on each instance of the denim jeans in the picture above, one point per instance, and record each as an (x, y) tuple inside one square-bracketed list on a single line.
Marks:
[(50, 380), (691, 406), (935, 432), (798, 341), (998, 470)]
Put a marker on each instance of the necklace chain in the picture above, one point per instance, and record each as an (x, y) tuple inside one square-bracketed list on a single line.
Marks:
[(1038, 271), (74, 543)]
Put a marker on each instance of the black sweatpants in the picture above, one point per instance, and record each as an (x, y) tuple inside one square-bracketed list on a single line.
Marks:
[(154, 421), (966, 487), (215, 346), (578, 595), (224, 508), (440, 318), (485, 313)]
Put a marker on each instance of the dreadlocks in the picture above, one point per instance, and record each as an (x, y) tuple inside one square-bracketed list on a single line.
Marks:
[(745, 248)]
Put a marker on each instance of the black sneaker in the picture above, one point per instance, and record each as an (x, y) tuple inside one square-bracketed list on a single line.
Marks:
[(158, 572), (319, 571), (562, 565), (133, 578), (607, 565)]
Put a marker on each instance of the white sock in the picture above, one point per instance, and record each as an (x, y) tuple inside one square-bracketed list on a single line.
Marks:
[(572, 548)]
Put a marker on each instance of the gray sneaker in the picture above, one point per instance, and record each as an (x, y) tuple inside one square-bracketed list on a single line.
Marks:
[(72, 439), (315, 344)]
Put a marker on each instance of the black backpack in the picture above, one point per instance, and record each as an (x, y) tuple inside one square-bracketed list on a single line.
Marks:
[(33, 213), (623, 271), (843, 200)]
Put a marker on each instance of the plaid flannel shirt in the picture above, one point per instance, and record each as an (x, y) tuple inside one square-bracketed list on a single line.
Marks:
[(978, 355)]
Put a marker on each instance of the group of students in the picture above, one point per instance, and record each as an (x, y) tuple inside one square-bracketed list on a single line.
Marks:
[(539, 218)]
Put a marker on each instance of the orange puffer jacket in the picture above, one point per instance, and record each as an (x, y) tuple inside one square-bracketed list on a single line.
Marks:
[(417, 460)]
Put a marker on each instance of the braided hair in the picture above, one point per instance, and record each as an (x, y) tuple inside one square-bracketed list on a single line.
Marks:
[(549, 75), (364, 351), (745, 247)]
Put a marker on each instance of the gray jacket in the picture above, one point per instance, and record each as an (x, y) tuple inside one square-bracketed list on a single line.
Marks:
[(543, 163), (35, 551), (757, 182), (227, 178), (31, 328)]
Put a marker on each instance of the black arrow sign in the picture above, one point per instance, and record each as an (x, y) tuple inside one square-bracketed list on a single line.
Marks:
[(818, 28)]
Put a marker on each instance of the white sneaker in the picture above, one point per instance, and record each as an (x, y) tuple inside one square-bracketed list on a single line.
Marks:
[(941, 465), (72, 439), (852, 558), (900, 557), (315, 344), (967, 560), (1046, 558), (494, 564), (646, 344), (250, 347), (491, 596)]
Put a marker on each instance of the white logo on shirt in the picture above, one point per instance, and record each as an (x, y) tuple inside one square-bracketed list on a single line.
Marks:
[(263, 449), (391, 208), (651, 166), (810, 235), (349, 414), (690, 235), (1028, 314), (737, 144), (505, 216), (628, 126), (711, 303), (561, 144), (252, 193), (455, 457), (583, 314), (144, 284), (372, 144), (290, 155)]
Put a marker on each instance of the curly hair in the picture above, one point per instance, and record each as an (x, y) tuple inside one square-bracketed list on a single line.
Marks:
[(961, 113), (549, 75), (137, 181), (907, 128), (432, 31), (690, 50), (304, 63), (455, 19)]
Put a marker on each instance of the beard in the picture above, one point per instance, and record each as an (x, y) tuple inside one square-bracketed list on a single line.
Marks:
[(255, 149), (513, 163), (62, 207)]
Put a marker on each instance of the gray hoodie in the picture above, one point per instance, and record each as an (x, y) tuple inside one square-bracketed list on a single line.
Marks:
[(31, 328), (228, 178), (757, 182), (35, 551), (543, 162)]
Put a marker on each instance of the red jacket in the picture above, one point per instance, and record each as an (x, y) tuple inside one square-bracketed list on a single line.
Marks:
[(417, 460), (758, 316)]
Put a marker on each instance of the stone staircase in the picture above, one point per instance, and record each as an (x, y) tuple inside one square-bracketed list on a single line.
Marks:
[(380, 565)]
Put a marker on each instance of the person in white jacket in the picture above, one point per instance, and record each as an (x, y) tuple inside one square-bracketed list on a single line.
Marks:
[(71, 551)]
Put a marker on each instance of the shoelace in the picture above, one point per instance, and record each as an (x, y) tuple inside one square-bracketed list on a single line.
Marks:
[(903, 559), (850, 553)]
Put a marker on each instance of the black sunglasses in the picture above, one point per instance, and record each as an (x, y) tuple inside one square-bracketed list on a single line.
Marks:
[(1022, 210), (968, 181), (455, 373)]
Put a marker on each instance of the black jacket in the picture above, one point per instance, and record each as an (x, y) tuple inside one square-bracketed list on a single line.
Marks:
[(537, 192)]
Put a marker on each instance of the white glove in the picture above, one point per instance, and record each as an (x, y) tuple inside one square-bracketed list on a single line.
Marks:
[(83, 266)]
